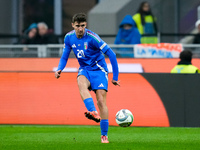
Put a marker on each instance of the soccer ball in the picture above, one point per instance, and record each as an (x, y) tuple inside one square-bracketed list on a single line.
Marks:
[(124, 118)]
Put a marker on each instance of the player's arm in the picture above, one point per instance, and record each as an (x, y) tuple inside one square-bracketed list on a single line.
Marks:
[(109, 52), (63, 60), (113, 60)]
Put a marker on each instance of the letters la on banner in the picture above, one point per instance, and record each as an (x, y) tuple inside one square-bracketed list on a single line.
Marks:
[(162, 50)]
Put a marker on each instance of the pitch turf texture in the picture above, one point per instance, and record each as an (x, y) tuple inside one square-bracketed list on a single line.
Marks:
[(39, 137)]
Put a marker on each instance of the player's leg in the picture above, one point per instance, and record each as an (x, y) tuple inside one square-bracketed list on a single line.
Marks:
[(84, 84), (103, 109), (101, 102)]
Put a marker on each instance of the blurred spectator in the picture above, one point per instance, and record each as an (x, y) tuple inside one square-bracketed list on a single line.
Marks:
[(127, 34), (45, 36), (30, 35), (197, 37), (146, 23), (185, 65)]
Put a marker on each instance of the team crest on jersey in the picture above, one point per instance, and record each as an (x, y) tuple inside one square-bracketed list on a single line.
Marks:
[(85, 45)]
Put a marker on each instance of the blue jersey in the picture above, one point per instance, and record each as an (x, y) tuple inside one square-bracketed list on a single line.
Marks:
[(88, 50)]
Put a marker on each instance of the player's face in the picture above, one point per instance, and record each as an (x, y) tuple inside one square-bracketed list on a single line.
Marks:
[(79, 28)]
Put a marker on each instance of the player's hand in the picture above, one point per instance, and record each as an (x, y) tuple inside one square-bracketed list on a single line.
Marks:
[(116, 82), (57, 74)]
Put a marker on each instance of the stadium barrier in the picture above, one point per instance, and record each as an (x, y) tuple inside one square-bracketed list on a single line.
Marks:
[(50, 64), (55, 50), (154, 99)]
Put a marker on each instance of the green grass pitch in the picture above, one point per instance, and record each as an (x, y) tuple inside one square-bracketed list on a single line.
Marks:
[(60, 137)]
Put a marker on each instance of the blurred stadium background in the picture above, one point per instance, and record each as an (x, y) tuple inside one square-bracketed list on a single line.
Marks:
[(175, 19)]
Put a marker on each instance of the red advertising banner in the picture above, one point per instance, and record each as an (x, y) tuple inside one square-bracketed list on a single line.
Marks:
[(39, 98)]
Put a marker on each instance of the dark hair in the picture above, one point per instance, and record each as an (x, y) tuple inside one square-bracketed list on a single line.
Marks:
[(142, 13), (140, 10), (80, 17), (186, 55)]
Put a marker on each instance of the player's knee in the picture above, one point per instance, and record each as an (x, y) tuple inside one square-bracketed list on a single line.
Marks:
[(82, 86), (101, 103)]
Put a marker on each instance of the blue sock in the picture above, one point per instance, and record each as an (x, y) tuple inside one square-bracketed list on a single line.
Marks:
[(89, 104), (104, 126)]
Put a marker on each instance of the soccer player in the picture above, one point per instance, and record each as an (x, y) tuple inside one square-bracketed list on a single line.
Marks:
[(93, 72)]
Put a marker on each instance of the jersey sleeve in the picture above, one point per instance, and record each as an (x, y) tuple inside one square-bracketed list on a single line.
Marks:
[(98, 43), (103, 46), (65, 55), (113, 60)]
